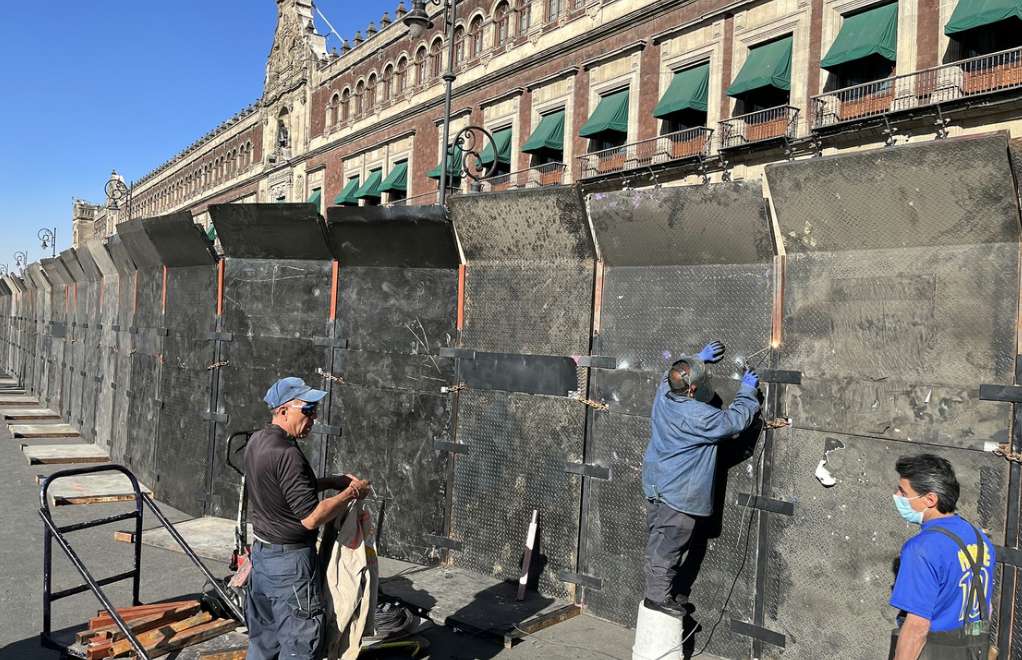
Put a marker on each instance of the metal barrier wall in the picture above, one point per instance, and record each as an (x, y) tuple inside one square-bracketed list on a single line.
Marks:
[(119, 336), (104, 374)]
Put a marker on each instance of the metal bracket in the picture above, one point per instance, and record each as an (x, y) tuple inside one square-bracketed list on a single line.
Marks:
[(581, 579), (1009, 393), (325, 429), (598, 362), (1009, 556), (331, 342), (590, 470), (780, 376), (766, 504), (442, 542), (115, 328), (221, 336), (758, 632), (215, 417), (463, 353), (452, 447)]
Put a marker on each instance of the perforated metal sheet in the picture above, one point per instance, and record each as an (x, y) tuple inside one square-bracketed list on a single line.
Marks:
[(832, 561)]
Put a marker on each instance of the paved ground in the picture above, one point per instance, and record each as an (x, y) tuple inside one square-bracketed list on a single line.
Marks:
[(169, 575)]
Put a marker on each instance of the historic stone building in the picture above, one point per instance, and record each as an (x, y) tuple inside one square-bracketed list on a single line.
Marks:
[(602, 92)]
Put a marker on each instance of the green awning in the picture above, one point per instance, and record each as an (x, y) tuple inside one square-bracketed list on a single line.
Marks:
[(971, 14), (870, 32), (688, 91), (548, 135), (397, 180), (768, 65), (453, 165), (347, 196), (502, 139), (371, 188), (611, 114), (316, 195), (211, 232)]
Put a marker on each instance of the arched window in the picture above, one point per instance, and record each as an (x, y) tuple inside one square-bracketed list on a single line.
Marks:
[(345, 104), (476, 30), (420, 66), (283, 129), (251, 154), (331, 110), (386, 83), (502, 28), (459, 46), (360, 89), (524, 16), (553, 9), (370, 94), (435, 59), (402, 76)]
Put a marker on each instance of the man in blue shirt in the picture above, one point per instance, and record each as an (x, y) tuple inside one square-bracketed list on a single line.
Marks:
[(945, 572), (680, 465)]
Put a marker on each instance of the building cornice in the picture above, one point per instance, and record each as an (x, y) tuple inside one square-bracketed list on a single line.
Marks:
[(515, 91), (546, 80), (614, 54), (660, 37)]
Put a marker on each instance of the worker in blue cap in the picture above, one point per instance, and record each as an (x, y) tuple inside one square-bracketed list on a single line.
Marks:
[(284, 611)]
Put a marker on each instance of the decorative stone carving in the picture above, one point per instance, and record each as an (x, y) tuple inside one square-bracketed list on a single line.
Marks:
[(296, 48)]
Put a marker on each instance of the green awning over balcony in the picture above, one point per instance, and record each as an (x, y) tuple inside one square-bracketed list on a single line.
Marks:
[(397, 180), (453, 165), (611, 114), (211, 232), (870, 32), (688, 91), (314, 198), (548, 135), (347, 196), (971, 14), (768, 65), (502, 139), (371, 188)]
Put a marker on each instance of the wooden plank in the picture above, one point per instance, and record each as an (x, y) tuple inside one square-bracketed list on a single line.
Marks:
[(43, 431), (540, 622), (24, 414), (139, 625), (162, 635), (103, 618), (191, 636), (64, 454), (91, 489)]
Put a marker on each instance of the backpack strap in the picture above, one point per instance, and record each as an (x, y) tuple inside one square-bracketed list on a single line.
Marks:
[(977, 588)]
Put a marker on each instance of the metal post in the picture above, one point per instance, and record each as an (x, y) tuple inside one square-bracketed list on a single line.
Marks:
[(450, 8)]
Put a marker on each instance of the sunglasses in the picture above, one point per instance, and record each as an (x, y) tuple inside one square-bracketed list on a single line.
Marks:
[(308, 409)]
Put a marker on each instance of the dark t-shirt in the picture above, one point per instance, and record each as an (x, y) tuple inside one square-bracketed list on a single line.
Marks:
[(281, 487)]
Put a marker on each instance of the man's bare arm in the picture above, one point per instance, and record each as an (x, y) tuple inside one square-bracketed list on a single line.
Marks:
[(912, 637)]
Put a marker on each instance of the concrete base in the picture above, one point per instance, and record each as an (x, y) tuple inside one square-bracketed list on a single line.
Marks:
[(43, 431), (64, 454), (18, 400), (91, 489), (210, 538), (29, 414)]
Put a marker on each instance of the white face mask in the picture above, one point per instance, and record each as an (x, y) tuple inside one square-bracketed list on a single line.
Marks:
[(901, 503)]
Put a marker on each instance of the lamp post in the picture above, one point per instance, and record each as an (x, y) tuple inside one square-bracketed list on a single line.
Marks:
[(3, 270), (417, 21), (48, 239), (116, 190), (20, 260)]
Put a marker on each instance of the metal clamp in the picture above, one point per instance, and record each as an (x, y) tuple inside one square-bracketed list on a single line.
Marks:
[(452, 447), (442, 542), (591, 470), (1008, 393), (598, 362), (758, 632), (766, 504), (581, 579)]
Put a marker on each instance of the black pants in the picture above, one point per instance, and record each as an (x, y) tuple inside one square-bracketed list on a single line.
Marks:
[(954, 645), (284, 611), (670, 533)]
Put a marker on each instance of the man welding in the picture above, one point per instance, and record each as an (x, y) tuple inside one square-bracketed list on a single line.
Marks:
[(284, 612), (680, 465)]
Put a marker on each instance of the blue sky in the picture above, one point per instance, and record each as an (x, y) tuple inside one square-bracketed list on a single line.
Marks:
[(93, 86)]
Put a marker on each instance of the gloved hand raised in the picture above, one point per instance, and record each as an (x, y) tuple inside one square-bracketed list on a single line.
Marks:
[(750, 378), (712, 352)]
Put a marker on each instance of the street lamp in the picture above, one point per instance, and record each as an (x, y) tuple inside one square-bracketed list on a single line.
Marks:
[(48, 238), (3, 270), (20, 260), (116, 191), (417, 21)]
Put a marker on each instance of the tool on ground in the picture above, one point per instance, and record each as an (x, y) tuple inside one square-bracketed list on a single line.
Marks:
[(132, 640), (743, 362), (530, 544)]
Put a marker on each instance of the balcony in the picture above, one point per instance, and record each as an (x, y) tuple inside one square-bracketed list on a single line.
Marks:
[(770, 124), (422, 199), (690, 143), (948, 83), (548, 174)]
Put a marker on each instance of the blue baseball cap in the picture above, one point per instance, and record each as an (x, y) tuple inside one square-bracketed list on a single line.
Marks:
[(289, 389)]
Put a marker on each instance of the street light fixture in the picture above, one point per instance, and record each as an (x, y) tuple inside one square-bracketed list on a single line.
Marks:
[(116, 190), (48, 239), (3, 270), (417, 21), (20, 260)]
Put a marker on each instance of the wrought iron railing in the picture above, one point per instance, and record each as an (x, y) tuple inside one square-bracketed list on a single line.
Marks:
[(548, 174), (422, 199), (777, 122), (941, 84), (689, 143)]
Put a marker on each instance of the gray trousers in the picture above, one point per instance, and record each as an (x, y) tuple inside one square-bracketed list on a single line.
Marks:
[(670, 533), (284, 611)]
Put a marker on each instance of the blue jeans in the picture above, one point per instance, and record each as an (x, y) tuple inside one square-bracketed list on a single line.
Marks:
[(284, 610)]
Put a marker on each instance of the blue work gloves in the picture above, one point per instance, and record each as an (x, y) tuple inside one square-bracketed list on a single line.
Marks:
[(712, 352), (750, 378)]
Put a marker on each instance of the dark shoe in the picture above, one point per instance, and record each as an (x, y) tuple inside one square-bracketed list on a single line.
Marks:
[(669, 607)]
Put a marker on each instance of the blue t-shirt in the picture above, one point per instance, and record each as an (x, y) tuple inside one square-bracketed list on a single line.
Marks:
[(934, 576)]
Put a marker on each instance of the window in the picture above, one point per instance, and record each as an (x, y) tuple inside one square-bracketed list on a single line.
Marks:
[(331, 110), (435, 59), (402, 76), (524, 16), (420, 66), (360, 89), (553, 10), (345, 105), (477, 36), (501, 25), (370, 101), (459, 46), (385, 85)]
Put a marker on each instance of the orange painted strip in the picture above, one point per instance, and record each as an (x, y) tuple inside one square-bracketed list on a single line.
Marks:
[(163, 302), (777, 322), (333, 289), (220, 287), (598, 297), (461, 296)]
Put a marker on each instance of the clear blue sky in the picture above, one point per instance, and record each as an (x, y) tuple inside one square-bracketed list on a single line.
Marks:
[(93, 86)]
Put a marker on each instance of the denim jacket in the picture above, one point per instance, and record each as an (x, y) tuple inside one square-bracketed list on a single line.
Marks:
[(681, 458)]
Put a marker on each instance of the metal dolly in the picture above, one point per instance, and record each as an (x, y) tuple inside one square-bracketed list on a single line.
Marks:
[(51, 532)]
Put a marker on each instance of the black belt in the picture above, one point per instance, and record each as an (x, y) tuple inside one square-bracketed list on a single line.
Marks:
[(285, 546)]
